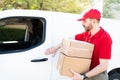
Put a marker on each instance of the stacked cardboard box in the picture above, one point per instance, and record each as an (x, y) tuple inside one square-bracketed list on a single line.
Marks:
[(74, 55)]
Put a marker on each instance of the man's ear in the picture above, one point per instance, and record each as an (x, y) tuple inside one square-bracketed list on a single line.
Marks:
[(94, 21)]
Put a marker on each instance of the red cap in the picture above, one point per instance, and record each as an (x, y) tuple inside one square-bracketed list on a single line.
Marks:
[(92, 13)]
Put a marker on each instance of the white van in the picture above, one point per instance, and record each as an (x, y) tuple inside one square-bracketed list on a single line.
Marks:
[(26, 34)]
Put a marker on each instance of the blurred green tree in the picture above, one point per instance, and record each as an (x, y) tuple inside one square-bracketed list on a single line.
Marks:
[(111, 9), (71, 6)]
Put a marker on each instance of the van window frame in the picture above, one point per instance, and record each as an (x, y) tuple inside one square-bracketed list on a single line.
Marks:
[(33, 46)]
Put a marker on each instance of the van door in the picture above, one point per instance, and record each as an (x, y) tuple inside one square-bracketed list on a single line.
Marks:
[(22, 45)]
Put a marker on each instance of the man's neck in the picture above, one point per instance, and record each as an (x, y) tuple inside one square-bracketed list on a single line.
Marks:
[(95, 30)]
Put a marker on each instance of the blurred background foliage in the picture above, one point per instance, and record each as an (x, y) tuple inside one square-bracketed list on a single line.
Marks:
[(71, 6), (111, 8)]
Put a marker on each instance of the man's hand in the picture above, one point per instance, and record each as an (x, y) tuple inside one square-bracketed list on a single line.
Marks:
[(76, 76), (51, 50)]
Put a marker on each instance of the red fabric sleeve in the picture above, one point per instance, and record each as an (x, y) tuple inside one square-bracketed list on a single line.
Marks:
[(105, 48), (79, 36)]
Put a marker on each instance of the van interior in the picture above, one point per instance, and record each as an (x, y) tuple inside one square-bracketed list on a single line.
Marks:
[(17, 33)]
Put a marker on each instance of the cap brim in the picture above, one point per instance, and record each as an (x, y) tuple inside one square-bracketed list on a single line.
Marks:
[(81, 19)]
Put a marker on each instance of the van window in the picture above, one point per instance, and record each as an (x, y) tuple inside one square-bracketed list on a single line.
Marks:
[(20, 33)]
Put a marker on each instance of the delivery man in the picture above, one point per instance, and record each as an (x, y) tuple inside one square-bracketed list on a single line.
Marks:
[(102, 41)]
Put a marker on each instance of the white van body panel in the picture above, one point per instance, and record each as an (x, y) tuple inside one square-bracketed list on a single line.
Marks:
[(18, 66)]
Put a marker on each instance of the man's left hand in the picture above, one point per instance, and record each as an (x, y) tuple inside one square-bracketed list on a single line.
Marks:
[(76, 76)]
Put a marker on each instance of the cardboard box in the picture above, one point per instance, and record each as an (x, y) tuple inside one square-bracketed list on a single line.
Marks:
[(77, 48), (74, 55), (66, 63)]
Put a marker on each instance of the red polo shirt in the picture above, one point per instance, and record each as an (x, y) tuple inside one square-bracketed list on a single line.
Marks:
[(102, 45)]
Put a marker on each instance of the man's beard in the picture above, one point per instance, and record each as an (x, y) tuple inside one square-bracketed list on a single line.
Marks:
[(86, 28)]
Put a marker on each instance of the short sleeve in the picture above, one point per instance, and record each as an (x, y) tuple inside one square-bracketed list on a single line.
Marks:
[(79, 36), (105, 49)]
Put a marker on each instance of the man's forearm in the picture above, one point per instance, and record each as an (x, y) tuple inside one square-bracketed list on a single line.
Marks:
[(98, 69), (58, 46)]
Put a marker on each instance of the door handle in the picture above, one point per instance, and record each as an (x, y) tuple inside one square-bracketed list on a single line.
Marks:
[(39, 60)]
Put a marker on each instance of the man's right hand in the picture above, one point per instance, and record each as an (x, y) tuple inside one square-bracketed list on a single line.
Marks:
[(51, 50)]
